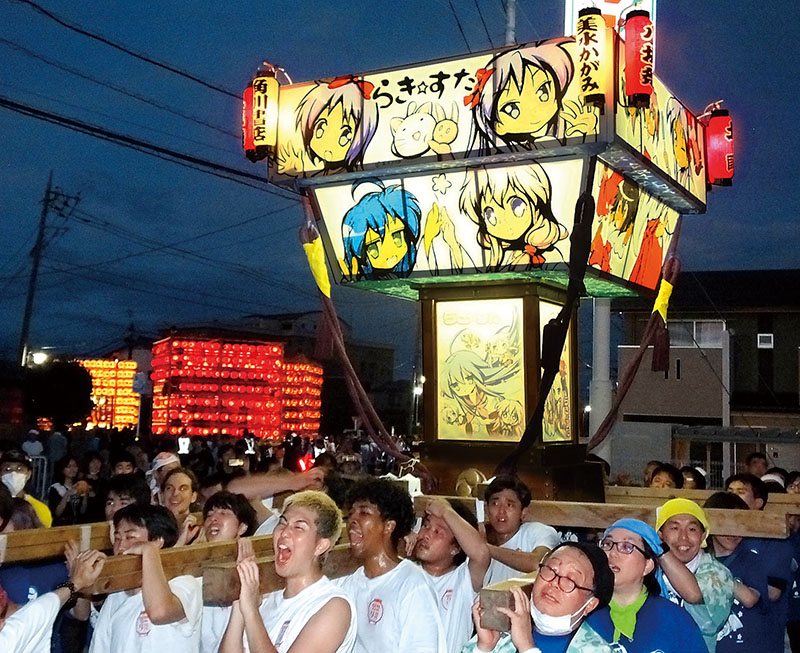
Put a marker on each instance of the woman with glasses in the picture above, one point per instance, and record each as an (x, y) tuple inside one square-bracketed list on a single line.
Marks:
[(638, 618), (573, 580)]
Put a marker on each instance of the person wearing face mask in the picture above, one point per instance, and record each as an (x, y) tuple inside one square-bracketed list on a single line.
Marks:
[(573, 581), (683, 527), (639, 620), (15, 472)]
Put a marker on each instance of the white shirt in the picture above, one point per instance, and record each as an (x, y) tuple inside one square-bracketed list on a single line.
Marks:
[(268, 525), (529, 536), (124, 627), (454, 598), (285, 618), (396, 611), (215, 621), (30, 628)]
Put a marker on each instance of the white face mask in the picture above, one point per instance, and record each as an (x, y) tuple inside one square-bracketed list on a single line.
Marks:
[(549, 625), (14, 481)]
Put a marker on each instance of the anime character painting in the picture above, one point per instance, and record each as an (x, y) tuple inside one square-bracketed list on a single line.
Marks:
[(617, 207), (380, 233), (556, 419), (519, 98), (679, 130), (336, 121), (480, 378), (511, 206)]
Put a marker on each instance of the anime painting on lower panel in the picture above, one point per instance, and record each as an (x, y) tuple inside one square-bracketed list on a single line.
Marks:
[(480, 379), (665, 132), (557, 417), (631, 229), (485, 219)]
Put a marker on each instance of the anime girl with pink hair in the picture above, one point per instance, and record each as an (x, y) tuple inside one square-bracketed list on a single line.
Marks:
[(518, 98)]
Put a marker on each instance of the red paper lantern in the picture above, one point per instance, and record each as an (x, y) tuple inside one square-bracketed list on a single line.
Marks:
[(639, 32), (719, 148)]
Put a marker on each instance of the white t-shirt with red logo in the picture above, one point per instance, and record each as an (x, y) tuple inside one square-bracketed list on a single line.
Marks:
[(454, 598), (530, 536), (285, 618), (124, 627), (397, 611)]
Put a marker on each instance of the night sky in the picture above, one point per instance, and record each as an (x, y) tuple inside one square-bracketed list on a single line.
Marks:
[(108, 265)]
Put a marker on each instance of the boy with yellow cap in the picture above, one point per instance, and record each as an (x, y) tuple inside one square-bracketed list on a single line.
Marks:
[(683, 527)]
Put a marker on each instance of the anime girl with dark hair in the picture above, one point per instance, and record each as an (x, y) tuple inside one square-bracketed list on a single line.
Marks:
[(518, 98), (337, 121), (380, 233)]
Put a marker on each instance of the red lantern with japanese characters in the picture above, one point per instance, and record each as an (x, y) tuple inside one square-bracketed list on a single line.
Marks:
[(719, 148), (639, 56), (260, 114)]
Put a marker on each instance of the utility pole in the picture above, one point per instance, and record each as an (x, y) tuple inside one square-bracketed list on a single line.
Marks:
[(63, 205), (36, 254), (511, 21)]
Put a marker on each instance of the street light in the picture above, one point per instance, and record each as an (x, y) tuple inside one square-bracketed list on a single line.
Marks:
[(39, 357)]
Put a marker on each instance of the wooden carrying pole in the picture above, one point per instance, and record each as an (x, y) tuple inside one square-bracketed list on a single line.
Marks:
[(221, 581)]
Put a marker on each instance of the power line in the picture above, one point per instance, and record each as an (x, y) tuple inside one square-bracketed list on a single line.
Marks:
[(117, 118), (483, 22), (102, 39), (458, 22), (114, 87), (196, 163)]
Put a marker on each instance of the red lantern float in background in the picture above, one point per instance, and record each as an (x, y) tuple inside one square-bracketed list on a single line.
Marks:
[(719, 148), (639, 57)]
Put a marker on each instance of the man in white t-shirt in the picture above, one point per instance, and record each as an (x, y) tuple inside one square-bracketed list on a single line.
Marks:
[(162, 616), (30, 628), (395, 601), (226, 516), (311, 613), (455, 556), (515, 546)]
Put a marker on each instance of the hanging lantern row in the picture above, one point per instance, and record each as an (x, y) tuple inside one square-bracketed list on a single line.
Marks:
[(115, 403), (719, 148), (639, 55)]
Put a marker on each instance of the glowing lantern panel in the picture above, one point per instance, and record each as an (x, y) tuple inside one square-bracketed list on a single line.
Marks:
[(210, 387), (116, 405), (719, 147), (639, 33), (594, 56), (260, 116)]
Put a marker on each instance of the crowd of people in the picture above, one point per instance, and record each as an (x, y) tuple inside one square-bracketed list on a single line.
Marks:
[(666, 586)]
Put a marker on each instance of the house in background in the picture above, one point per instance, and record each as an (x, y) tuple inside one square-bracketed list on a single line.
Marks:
[(733, 384)]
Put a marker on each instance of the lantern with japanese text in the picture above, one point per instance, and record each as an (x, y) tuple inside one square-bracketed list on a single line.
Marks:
[(719, 148), (639, 33), (260, 114), (594, 56)]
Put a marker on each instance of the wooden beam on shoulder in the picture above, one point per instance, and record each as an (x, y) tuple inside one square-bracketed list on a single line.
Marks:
[(124, 572), (221, 584), (42, 543)]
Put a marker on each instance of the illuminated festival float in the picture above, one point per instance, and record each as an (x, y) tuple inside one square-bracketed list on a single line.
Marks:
[(116, 405), (211, 386), (495, 189)]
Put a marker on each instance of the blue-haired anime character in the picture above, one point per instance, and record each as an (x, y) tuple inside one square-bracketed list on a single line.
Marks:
[(380, 233)]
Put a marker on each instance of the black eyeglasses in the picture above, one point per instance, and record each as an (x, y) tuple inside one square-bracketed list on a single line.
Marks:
[(623, 547), (565, 584)]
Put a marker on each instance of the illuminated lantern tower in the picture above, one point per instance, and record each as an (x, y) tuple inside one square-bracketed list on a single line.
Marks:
[(116, 405)]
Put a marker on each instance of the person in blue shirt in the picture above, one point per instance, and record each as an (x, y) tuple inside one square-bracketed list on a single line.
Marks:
[(638, 619), (793, 625), (745, 629), (778, 553)]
